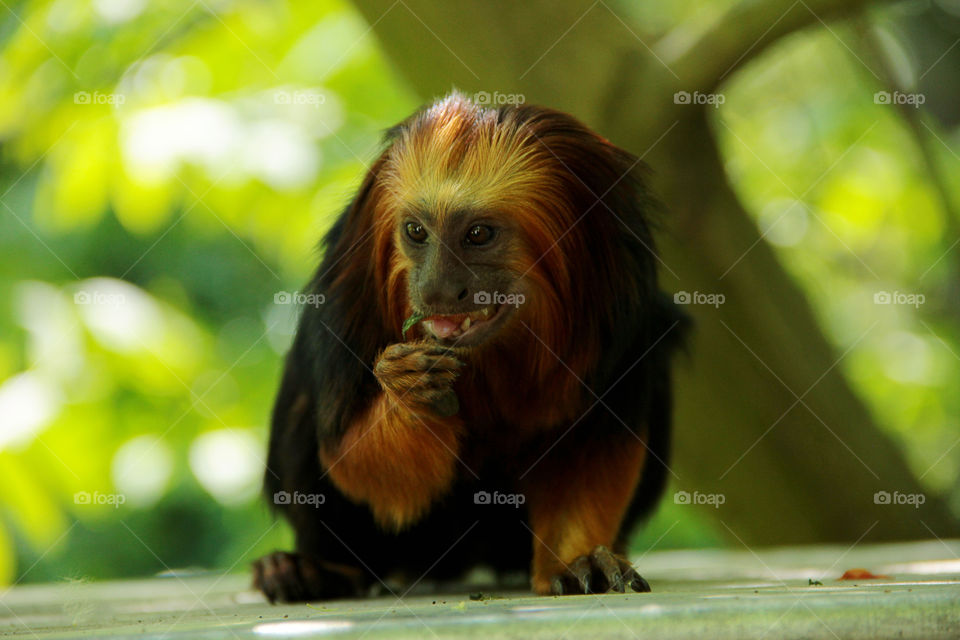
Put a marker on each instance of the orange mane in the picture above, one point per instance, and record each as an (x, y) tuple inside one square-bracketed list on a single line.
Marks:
[(527, 167)]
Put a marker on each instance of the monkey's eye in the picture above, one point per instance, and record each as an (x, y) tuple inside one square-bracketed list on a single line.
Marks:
[(479, 234), (416, 232)]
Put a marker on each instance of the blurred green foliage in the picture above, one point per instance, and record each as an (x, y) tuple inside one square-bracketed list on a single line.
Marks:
[(166, 170), (839, 186)]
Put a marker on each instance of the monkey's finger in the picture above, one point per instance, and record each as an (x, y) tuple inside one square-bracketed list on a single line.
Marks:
[(407, 374), (430, 349), (581, 571), (636, 581), (279, 577), (418, 361), (400, 350), (260, 584), (565, 583), (420, 377), (434, 349), (419, 383), (556, 586), (428, 362), (609, 567)]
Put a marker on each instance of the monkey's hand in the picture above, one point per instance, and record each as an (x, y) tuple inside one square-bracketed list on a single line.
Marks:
[(297, 577), (420, 375)]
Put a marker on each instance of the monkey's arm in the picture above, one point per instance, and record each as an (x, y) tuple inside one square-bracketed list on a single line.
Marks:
[(399, 453)]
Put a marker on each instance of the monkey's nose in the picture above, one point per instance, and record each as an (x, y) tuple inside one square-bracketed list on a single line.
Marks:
[(443, 293)]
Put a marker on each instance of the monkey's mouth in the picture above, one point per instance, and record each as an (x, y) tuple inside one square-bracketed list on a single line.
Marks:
[(463, 329)]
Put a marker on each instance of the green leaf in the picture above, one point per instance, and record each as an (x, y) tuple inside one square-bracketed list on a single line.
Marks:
[(412, 320)]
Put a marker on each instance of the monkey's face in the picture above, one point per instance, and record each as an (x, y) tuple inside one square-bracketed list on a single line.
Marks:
[(473, 213), (458, 272)]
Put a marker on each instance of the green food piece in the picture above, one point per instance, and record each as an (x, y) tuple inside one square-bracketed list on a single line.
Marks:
[(412, 320)]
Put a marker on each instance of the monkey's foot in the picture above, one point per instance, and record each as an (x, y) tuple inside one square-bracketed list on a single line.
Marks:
[(597, 572), (293, 577)]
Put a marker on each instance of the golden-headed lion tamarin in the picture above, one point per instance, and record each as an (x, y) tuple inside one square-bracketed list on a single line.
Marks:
[(523, 421)]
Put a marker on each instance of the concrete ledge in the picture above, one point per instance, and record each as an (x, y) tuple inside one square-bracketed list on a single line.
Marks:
[(710, 594)]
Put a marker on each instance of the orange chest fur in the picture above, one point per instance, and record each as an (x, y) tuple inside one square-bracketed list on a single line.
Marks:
[(511, 402)]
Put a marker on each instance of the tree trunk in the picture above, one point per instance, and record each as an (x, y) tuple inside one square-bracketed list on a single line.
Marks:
[(791, 470)]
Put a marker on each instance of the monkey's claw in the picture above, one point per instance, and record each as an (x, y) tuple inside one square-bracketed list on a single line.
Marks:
[(599, 571)]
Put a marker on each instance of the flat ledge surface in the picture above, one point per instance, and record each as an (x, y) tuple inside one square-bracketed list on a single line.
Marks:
[(715, 594)]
